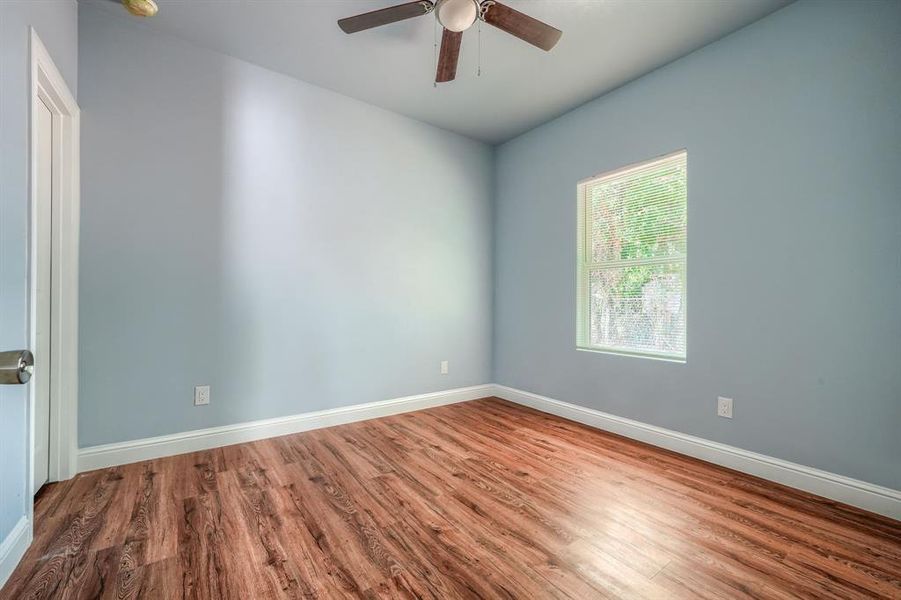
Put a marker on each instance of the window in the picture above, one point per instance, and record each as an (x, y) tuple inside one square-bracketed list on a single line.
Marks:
[(632, 260)]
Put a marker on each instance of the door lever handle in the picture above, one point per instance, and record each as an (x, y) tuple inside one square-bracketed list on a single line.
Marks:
[(16, 366)]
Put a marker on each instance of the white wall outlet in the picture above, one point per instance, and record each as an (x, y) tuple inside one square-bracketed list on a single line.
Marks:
[(724, 407), (201, 395), (444, 368)]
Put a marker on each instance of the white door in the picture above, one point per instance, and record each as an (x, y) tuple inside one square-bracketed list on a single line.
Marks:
[(43, 182)]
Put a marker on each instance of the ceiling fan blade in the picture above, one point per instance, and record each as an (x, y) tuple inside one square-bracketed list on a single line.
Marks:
[(521, 25), (450, 53), (384, 16)]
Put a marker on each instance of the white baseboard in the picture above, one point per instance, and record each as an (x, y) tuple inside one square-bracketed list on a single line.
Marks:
[(13, 548), (864, 495), (877, 499), (109, 455)]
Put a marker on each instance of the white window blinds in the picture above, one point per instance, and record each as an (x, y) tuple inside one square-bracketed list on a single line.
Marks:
[(632, 259)]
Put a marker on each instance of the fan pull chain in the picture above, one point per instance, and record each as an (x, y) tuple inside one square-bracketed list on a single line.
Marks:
[(435, 44), (479, 71)]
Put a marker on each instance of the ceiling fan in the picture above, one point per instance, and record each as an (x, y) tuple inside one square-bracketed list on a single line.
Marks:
[(456, 16)]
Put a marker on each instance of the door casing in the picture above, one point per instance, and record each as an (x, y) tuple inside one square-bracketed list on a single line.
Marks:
[(49, 87)]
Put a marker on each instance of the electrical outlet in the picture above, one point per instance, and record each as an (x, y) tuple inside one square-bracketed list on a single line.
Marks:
[(444, 368), (201, 395), (724, 407)]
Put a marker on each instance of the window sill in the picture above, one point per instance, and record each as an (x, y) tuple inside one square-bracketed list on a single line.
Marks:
[(628, 354)]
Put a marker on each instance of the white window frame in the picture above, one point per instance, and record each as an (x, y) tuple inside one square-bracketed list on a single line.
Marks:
[(585, 266)]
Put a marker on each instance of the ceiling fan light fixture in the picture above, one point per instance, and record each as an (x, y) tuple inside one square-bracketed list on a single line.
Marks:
[(457, 15)]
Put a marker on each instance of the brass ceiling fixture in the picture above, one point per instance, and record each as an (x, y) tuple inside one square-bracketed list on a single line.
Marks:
[(141, 8)]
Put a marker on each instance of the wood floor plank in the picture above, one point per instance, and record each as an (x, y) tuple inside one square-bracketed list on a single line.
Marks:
[(483, 499), (309, 554)]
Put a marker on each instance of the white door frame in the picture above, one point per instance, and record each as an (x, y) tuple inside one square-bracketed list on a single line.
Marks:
[(49, 87)]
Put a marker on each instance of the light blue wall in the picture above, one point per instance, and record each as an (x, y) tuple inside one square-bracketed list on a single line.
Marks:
[(793, 131), (56, 23), (299, 250), (293, 248)]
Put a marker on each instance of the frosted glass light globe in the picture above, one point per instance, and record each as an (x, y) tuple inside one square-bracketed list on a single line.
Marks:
[(457, 15)]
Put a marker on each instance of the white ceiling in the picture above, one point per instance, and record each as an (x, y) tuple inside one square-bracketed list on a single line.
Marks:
[(605, 44)]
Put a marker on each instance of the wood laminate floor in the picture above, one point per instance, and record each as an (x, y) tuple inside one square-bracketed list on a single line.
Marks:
[(484, 499)]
